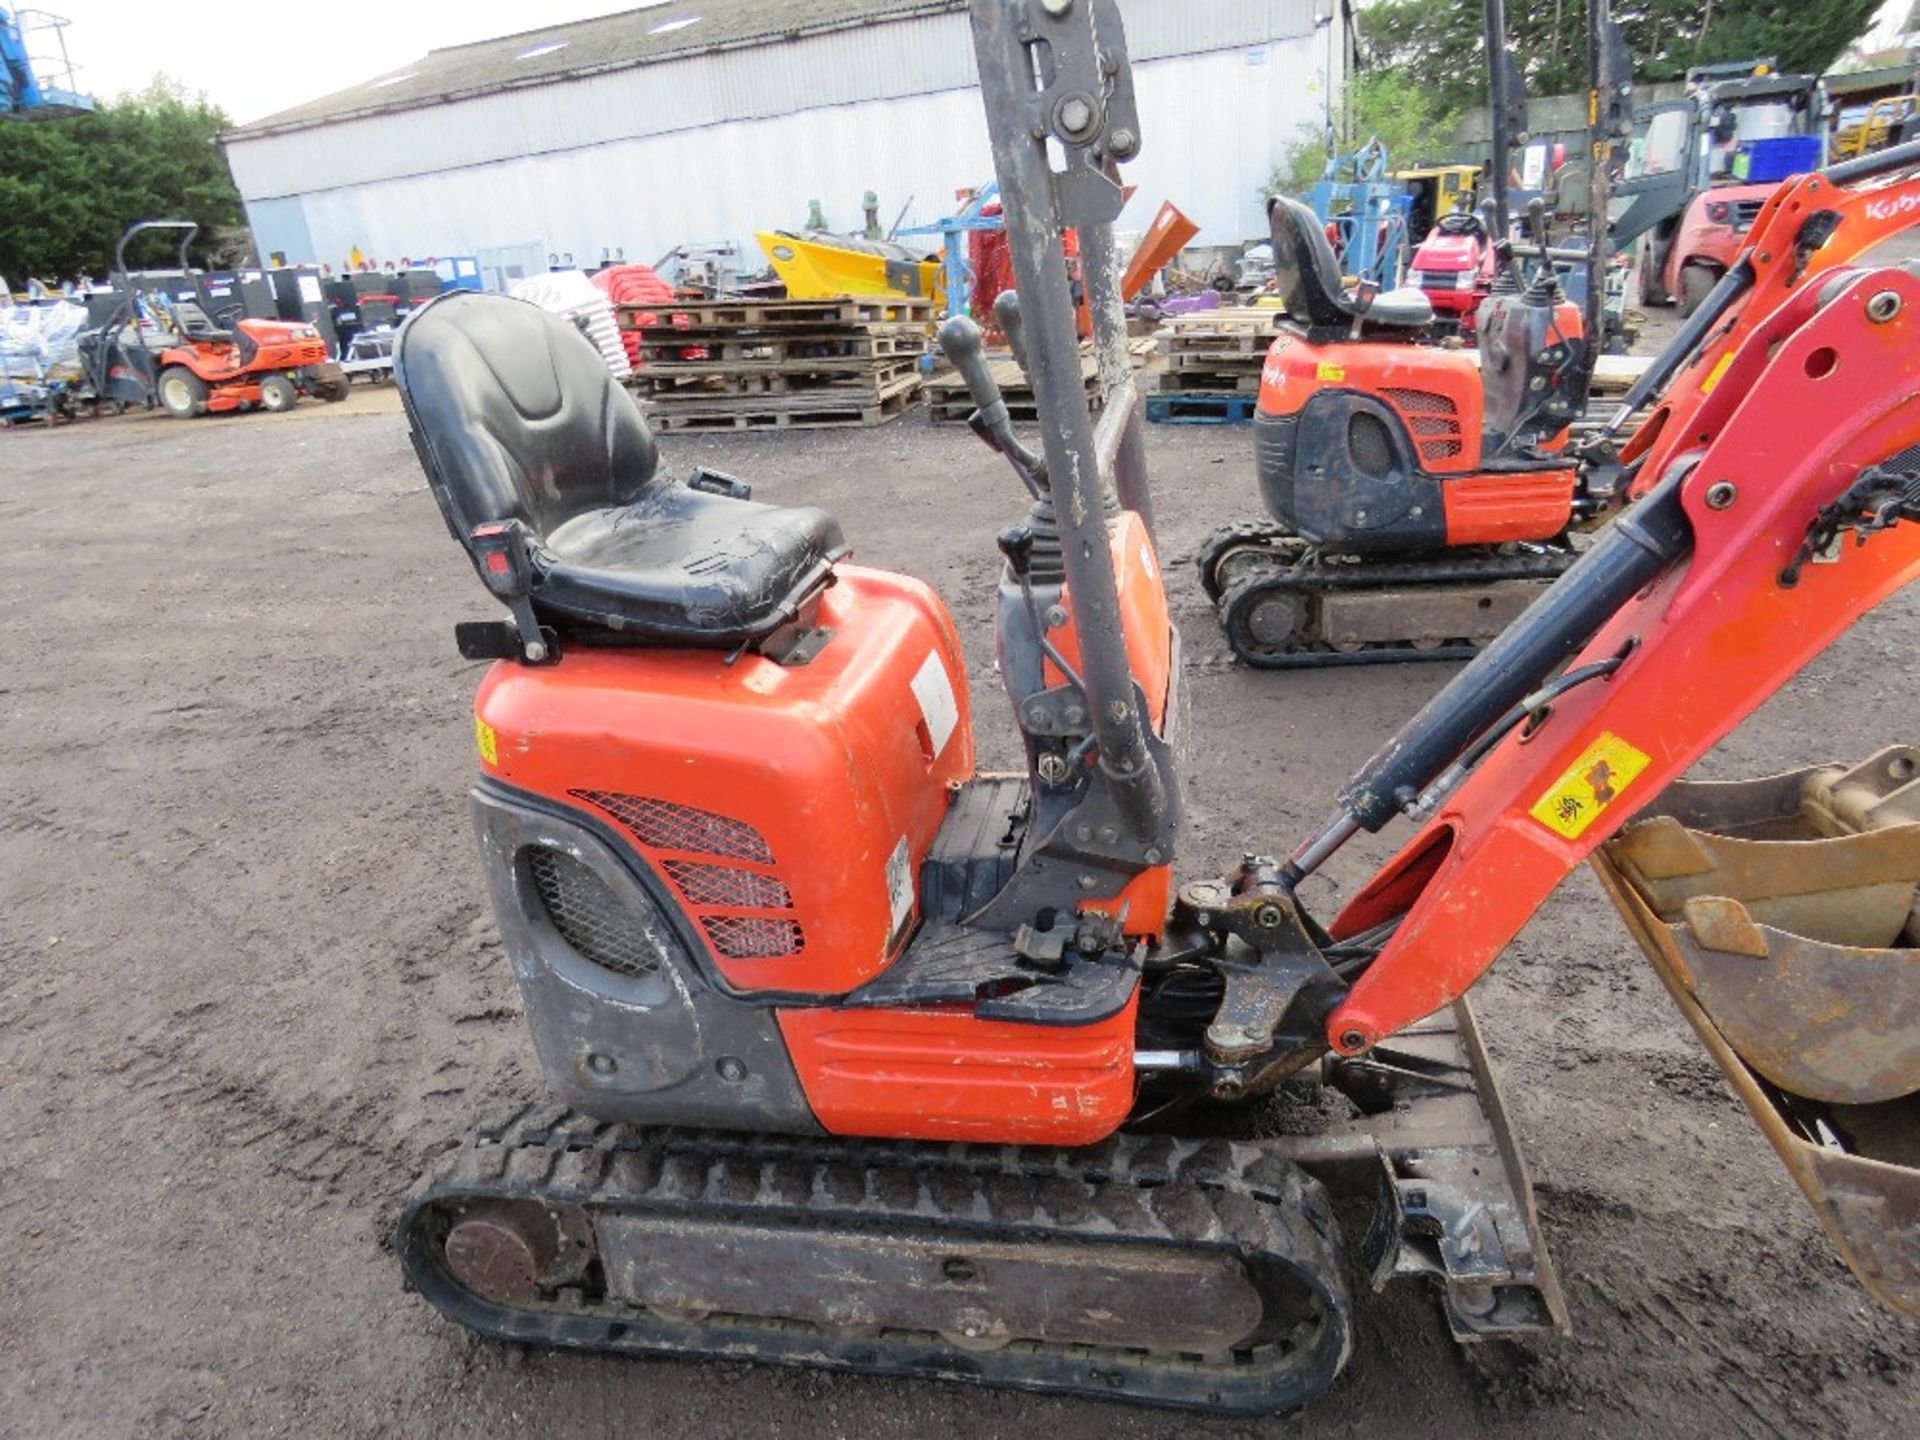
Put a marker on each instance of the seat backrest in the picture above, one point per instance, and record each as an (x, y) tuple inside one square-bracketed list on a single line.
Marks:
[(515, 415), (1305, 266)]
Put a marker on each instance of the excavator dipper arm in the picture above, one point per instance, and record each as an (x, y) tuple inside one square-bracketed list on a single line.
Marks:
[(1725, 605)]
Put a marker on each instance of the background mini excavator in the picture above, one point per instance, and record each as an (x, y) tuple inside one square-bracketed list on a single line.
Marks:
[(1421, 496)]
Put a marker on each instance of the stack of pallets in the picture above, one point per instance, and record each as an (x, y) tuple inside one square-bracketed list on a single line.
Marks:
[(779, 364), (949, 403), (1213, 363)]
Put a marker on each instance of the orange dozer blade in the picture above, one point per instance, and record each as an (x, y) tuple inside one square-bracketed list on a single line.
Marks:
[(1783, 915), (1165, 238)]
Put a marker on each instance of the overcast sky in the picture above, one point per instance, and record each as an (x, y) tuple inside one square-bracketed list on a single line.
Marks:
[(255, 59)]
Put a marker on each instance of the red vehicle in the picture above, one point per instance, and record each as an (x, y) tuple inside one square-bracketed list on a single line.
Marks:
[(865, 1058), (201, 366), (1691, 199), (1454, 268), (269, 363)]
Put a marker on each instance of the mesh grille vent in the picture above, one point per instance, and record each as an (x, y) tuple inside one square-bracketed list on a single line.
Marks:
[(1903, 462), (660, 825), (1370, 444), (589, 916), (726, 887), (1433, 417), (1420, 402), (753, 937)]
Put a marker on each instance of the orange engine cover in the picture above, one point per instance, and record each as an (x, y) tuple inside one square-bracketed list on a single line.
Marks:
[(787, 807), (1435, 392), (1143, 617)]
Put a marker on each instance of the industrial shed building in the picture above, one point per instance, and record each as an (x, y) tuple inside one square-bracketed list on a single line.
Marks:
[(709, 120)]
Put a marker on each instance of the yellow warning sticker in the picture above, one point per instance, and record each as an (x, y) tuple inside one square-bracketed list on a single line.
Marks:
[(1713, 375), (486, 741), (1332, 374), (1593, 782)]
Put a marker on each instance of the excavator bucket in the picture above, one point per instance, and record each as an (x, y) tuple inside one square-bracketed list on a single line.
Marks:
[(1783, 915)]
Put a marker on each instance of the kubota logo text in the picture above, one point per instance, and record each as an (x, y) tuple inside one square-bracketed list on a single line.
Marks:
[(1897, 205)]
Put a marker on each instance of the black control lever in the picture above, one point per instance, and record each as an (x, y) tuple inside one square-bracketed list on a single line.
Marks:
[(1545, 281), (962, 343), (1006, 314), (1506, 269)]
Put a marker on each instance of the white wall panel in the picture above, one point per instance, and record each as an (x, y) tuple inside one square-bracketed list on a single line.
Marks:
[(895, 60), (1214, 127)]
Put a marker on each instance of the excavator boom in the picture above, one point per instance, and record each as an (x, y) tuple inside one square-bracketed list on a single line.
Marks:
[(1791, 516)]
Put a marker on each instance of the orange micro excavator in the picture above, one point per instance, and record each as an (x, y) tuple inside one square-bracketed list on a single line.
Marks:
[(1421, 496), (863, 1058)]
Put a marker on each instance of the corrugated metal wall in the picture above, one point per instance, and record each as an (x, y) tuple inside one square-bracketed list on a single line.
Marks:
[(716, 147)]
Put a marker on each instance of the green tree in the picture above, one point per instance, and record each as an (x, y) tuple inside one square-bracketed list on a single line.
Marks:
[(1439, 42), (69, 188), (1384, 105)]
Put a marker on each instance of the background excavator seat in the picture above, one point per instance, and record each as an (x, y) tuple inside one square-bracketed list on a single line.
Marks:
[(516, 417), (1311, 284)]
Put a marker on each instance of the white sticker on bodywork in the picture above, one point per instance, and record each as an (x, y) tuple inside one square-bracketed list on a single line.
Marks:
[(938, 708), (900, 884)]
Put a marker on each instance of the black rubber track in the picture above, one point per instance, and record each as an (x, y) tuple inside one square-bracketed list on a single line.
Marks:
[(1319, 579), (1153, 1191)]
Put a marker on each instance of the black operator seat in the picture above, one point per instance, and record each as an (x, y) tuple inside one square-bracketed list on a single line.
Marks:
[(1313, 288), (516, 417)]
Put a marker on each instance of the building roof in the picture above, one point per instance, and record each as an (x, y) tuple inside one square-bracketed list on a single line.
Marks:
[(1884, 78), (589, 47)]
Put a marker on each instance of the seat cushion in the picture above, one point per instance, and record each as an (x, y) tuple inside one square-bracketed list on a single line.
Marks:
[(1405, 307), (686, 565)]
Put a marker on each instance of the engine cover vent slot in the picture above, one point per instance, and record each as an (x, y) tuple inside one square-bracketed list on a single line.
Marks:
[(662, 825), (1433, 418), (727, 888), (753, 937)]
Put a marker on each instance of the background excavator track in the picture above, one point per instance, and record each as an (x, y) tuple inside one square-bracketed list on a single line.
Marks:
[(1285, 607)]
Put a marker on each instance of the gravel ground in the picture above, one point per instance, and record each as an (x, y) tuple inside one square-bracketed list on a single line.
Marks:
[(250, 983)]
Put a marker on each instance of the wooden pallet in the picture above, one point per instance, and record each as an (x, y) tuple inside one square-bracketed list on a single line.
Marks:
[(1243, 330), (662, 348), (954, 409), (689, 386), (949, 403), (784, 314), (1203, 409), (784, 417), (1210, 378)]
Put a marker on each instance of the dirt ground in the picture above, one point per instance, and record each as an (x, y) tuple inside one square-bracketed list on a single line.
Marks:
[(250, 983)]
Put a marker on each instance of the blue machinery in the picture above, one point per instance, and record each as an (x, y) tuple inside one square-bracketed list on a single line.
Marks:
[(36, 77), (955, 274), (1368, 212)]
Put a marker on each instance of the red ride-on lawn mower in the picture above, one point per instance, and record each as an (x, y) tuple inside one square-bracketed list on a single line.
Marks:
[(1454, 268), (202, 366), (269, 363)]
